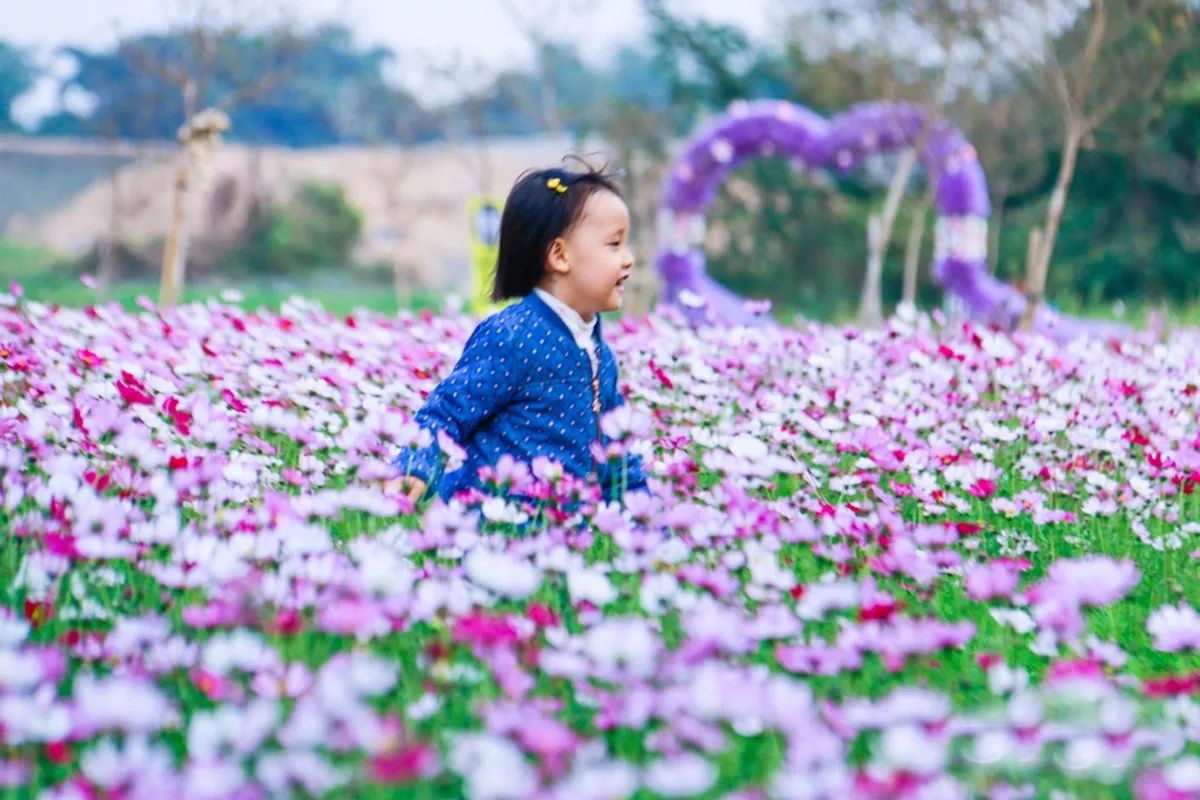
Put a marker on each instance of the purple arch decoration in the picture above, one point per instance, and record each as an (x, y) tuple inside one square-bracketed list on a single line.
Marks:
[(774, 127)]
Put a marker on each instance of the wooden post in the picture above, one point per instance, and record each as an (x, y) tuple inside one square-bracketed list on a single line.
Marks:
[(879, 229), (1032, 254), (198, 137), (172, 266)]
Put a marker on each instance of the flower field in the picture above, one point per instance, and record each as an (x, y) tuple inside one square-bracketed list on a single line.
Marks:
[(928, 561)]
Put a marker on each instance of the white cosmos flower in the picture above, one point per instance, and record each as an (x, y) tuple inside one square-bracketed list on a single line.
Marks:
[(1018, 620), (502, 573), (121, 702), (358, 674), (135, 761), (1174, 628), (303, 768), (383, 571), (686, 775), (424, 707), (623, 643), (603, 781), (992, 747), (12, 630), (750, 448), (1085, 754), (592, 585), (907, 747), (238, 650), (214, 779), (1184, 774), (19, 670), (240, 730), (36, 717), (493, 768), (497, 509)]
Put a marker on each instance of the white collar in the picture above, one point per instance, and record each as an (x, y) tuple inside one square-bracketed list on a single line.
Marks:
[(581, 331)]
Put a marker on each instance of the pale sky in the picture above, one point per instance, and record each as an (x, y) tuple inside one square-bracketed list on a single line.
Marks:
[(421, 32)]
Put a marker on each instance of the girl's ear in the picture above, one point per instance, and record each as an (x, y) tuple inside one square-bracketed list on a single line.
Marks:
[(556, 258)]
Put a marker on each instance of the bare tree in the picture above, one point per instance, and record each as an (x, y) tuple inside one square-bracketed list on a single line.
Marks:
[(639, 138), (471, 80), (539, 21), (207, 33), (396, 164), (395, 167), (927, 52), (121, 204), (947, 28), (1117, 53), (1008, 132)]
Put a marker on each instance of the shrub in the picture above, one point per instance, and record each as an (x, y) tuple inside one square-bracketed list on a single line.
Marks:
[(316, 229)]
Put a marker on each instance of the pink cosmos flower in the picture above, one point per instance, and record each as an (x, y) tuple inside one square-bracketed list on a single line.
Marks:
[(1089, 581), (291, 681), (1174, 628), (993, 579)]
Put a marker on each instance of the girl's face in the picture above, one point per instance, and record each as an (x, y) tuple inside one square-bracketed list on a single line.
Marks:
[(588, 267)]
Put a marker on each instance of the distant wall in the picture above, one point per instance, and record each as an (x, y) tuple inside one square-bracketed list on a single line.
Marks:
[(413, 200)]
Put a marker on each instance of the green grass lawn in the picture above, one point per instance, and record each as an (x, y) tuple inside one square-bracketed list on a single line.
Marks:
[(47, 278), (338, 300)]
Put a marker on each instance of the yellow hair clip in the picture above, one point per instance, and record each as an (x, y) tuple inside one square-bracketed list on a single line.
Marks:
[(557, 185)]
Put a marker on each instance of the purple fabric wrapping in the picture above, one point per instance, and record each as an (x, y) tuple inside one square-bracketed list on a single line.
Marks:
[(774, 127)]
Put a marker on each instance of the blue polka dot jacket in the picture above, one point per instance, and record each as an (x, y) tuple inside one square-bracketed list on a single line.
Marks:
[(522, 387)]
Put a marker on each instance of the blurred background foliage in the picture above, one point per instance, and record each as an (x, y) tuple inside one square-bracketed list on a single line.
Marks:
[(1130, 231)]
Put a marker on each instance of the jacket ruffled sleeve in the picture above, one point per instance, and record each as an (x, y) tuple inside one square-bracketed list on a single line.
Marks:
[(485, 379)]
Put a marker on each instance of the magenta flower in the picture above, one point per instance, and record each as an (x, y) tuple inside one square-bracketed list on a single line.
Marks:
[(406, 764), (983, 488), (484, 630)]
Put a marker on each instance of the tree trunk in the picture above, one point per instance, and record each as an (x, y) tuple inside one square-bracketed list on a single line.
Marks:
[(1032, 250), (175, 250), (870, 310), (549, 92), (879, 230), (912, 253), (1039, 265)]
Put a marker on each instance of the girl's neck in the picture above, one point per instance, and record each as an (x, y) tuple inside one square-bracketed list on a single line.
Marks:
[(557, 292)]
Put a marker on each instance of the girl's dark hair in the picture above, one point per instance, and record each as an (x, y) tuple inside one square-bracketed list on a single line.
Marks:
[(543, 205)]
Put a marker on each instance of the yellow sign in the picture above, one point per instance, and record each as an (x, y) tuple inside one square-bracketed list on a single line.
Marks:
[(485, 246)]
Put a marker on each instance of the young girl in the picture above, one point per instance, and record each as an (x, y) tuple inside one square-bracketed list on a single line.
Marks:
[(535, 378)]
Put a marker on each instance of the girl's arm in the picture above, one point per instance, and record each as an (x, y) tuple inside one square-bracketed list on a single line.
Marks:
[(485, 378)]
